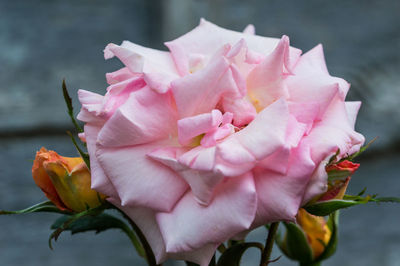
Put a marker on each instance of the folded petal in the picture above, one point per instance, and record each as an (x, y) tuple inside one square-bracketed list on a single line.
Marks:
[(312, 66), (280, 195), (243, 111), (146, 116), (231, 211), (92, 104), (318, 183), (193, 126), (335, 131), (265, 82), (99, 180), (139, 59), (263, 136), (119, 75), (195, 166), (352, 109), (139, 180), (212, 38), (200, 92), (250, 29)]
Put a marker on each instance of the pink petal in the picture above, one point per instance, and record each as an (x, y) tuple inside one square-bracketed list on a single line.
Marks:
[(231, 211), (250, 29), (280, 195), (195, 166), (312, 90), (139, 180), (92, 104), (119, 75), (200, 92), (242, 110), (265, 82), (212, 38), (312, 61), (263, 136), (333, 132), (146, 116), (201, 256), (118, 93), (193, 126), (139, 59), (210, 139), (318, 183), (352, 109), (312, 70), (279, 160), (99, 180)]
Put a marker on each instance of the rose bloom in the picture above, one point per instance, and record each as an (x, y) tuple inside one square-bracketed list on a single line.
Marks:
[(225, 132)]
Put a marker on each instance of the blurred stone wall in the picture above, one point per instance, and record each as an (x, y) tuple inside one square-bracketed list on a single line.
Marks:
[(44, 41)]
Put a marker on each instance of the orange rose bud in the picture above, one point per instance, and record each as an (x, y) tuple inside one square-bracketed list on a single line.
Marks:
[(317, 231), (345, 165), (65, 181)]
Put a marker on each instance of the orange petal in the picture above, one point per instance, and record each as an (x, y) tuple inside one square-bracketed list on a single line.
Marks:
[(42, 179)]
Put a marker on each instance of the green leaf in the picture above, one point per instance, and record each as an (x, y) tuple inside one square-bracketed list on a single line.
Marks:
[(71, 219), (233, 255), (98, 223), (330, 249), (323, 208), (83, 154), (68, 102), (295, 244), (46, 206)]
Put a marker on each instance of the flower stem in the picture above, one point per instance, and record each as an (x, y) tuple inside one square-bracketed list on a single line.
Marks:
[(266, 254), (310, 264), (149, 255)]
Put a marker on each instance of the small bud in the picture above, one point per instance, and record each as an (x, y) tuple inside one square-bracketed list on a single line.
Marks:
[(317, 231), (65, 181)]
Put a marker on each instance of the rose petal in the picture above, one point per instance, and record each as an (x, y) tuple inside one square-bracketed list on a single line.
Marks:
[(99, 180), (193, 126), (146, 116), (258, 140), (280, 195), (231, 211), (139, 180)]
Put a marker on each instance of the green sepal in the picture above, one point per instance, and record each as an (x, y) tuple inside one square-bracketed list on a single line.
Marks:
[(98, 224), (295, 245), (233, 255), (46, 206), (68, 102), (338, 174), (324, 208), (330, 249)]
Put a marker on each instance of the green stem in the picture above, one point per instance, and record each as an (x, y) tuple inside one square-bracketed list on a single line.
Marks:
[(310, 264), (139, 248), (149, 255), (266, 254)]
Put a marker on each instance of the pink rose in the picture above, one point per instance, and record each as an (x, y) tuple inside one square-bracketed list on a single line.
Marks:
[(225, 132)]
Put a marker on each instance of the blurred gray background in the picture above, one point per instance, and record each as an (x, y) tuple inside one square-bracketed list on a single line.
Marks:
[(42, 42)]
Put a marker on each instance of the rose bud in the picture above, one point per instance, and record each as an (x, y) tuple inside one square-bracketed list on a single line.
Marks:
[(65, 181), (342, 169), (311, 239), (317, 231)]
